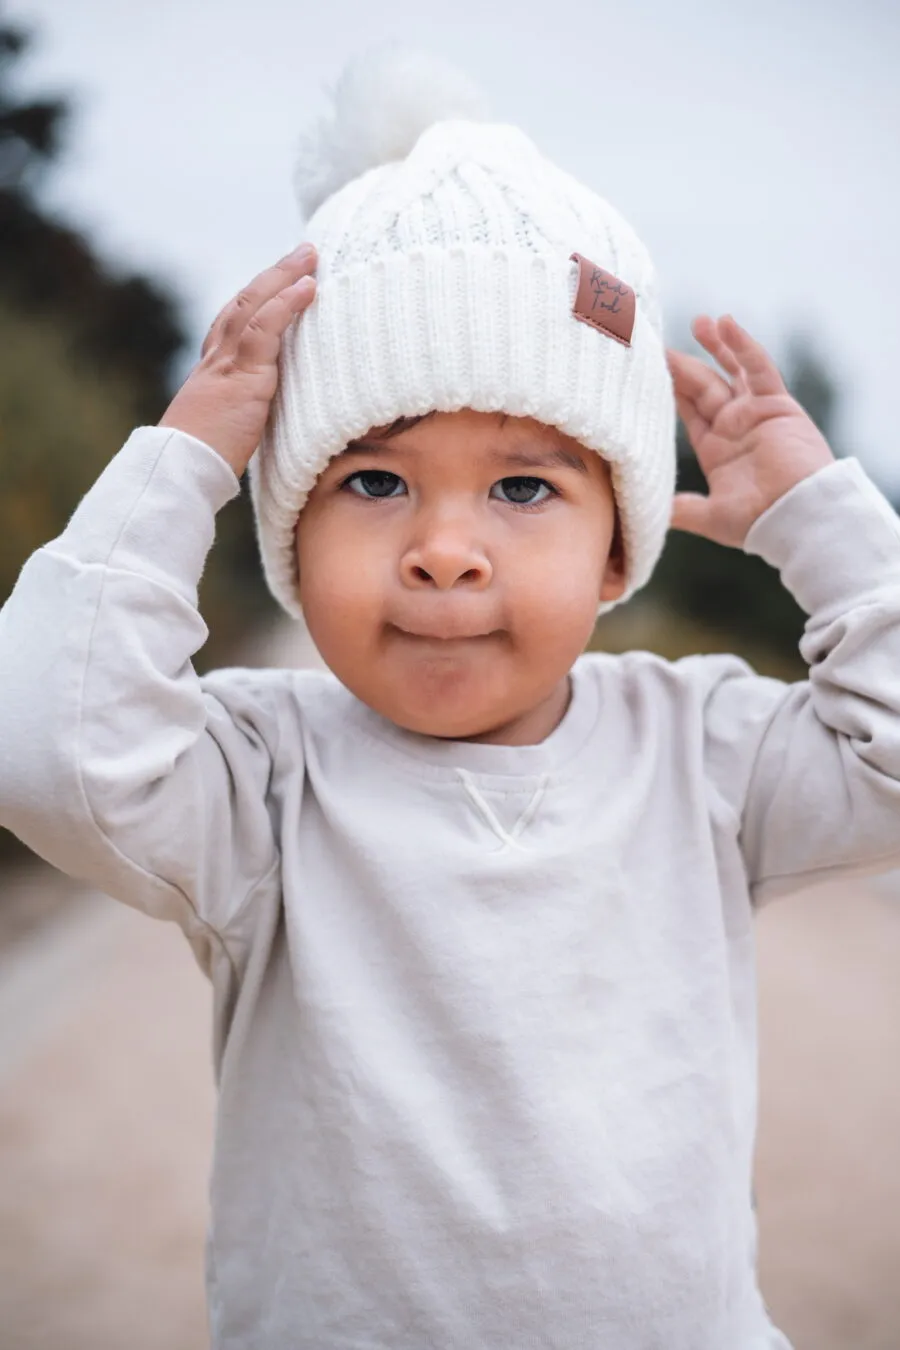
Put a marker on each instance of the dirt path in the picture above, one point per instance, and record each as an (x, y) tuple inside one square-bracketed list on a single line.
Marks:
[(828, 1155), (104, 1143), (106, 1108)]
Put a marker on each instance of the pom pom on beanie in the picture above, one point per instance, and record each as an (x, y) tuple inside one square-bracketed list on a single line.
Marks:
[(381, 104)]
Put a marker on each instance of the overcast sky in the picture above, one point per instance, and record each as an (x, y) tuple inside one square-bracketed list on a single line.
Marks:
[(754, 147)]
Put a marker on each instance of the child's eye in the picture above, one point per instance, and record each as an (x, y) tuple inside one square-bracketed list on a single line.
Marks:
[(523, 491), (373, 483)]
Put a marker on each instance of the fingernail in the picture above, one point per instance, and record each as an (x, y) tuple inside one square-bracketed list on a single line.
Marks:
[(298, 254), (303, 285)]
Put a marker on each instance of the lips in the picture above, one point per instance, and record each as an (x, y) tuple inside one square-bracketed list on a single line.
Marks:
[(444, 632)]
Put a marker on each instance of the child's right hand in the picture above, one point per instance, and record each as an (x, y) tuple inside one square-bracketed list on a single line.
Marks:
[(225, 399)]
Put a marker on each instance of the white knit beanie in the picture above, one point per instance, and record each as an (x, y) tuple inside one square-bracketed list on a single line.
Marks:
[(446, 280)]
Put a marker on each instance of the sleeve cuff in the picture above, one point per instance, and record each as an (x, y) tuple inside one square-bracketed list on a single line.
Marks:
[(833, 537)]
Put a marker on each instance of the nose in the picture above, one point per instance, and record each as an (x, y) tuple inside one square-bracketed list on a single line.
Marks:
[(445, 555)]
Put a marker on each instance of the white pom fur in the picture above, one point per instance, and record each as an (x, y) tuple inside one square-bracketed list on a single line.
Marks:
[(382, 102)]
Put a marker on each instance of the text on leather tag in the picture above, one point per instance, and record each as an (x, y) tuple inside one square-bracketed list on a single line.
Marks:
[(603, 301)]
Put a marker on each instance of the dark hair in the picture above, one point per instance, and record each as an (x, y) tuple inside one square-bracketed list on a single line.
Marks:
[(406, 423), (399, 424)]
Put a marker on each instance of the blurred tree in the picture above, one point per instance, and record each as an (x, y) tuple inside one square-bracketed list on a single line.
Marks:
[(812, 385), (123, 335), (87, 356), (121, 326), (30, 131)]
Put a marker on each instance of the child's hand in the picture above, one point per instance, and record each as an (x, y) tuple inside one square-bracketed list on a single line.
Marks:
[(225, 399), (752, 439)]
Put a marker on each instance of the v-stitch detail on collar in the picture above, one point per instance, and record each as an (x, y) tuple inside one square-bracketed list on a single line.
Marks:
[(508, 838)]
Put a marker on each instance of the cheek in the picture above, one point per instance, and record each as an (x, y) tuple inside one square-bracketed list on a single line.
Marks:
[(559, 575), (341, 577)]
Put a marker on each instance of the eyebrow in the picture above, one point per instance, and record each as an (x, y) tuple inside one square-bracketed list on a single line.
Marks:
[(540, 458)]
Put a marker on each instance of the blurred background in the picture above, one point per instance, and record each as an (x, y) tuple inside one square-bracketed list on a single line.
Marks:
[(145, 175)]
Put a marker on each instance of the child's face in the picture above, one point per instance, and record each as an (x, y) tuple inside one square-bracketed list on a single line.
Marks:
[(450, 574)]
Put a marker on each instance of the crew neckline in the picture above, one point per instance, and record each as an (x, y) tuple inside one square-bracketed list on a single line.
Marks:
[(570, 735)]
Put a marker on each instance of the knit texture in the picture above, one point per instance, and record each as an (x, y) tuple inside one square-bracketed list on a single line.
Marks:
[(445, 282)]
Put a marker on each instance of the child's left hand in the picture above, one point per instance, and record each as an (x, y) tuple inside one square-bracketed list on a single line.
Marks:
[(752, 439)]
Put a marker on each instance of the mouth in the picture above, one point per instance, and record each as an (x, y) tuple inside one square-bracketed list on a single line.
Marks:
[(445, 633)]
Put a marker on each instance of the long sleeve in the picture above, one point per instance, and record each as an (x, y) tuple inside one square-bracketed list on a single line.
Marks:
[(118, 764), (812, 769)]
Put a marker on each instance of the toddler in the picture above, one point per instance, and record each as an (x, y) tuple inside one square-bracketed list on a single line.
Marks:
[(477, 908)]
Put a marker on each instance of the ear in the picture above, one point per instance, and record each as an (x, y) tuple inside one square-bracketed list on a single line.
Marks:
[(613, 582)]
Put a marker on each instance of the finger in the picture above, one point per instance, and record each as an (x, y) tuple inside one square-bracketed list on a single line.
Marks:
[(691, 512), (761, 373), (706, 331), (261, 290), (261, 339), (695, 424), (233, 318), (696, 380)]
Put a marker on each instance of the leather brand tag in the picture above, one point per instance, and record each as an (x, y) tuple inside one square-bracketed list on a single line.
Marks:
[(603, 301)]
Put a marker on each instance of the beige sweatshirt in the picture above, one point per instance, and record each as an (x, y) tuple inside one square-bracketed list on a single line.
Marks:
[(485, 1015)]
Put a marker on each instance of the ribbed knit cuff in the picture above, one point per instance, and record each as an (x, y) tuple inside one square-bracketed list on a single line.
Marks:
[(487, 328)]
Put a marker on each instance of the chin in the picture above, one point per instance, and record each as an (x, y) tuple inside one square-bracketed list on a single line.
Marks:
[(447, 708), (442, 727), (432, 714)]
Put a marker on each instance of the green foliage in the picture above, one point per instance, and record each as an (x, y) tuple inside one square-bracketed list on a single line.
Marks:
[(59, 425)]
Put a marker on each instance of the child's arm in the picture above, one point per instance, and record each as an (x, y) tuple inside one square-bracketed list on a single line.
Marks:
[(812, 770), (117, 764)]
